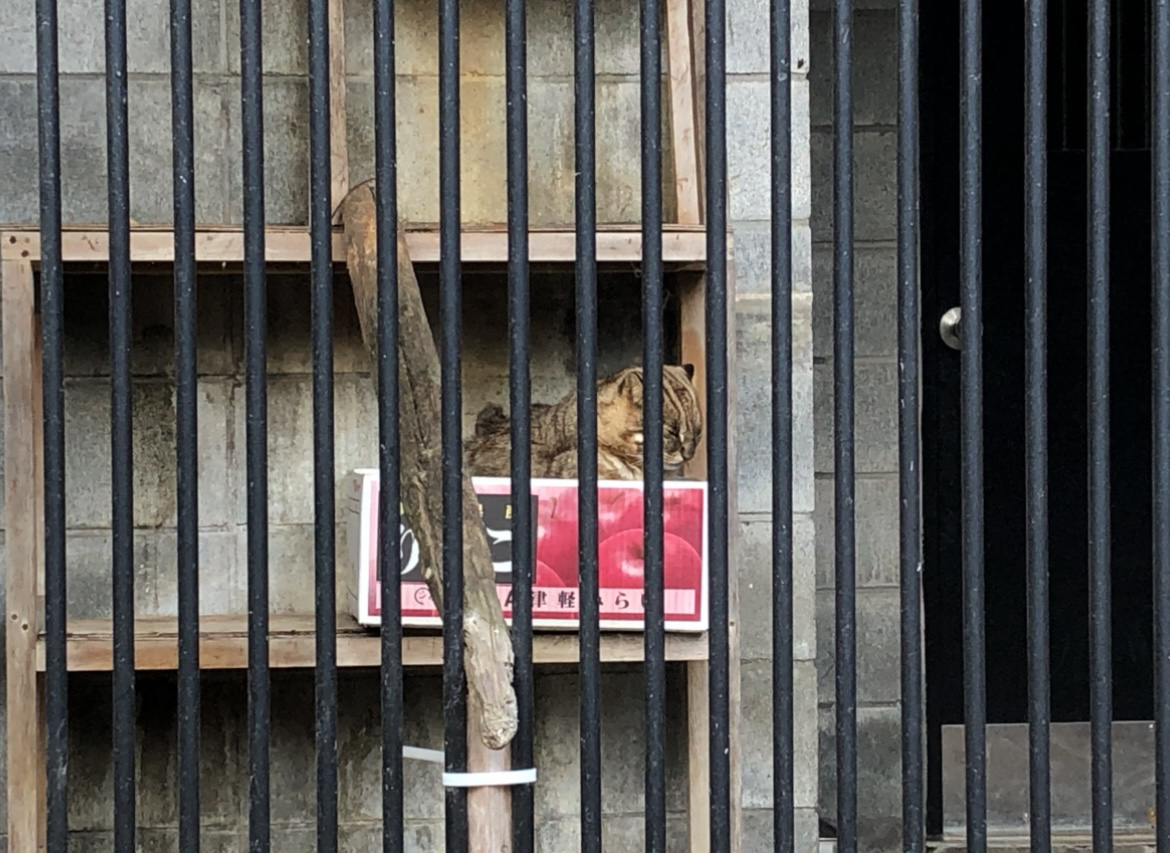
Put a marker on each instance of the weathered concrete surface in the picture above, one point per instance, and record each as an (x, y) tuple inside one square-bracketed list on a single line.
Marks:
[(221, 414)]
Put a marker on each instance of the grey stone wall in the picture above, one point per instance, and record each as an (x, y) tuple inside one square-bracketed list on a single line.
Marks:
[(749, 134), (875, 140), (222, 409)]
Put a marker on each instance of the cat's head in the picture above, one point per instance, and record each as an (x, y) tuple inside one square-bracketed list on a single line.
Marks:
[(619, 415)]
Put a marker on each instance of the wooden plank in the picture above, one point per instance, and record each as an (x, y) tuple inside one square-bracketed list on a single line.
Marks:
[(679, 246), (224, 645), (338, 144), (682, 112), (698, 11), (699, 755), (23, 555), (692, 297)]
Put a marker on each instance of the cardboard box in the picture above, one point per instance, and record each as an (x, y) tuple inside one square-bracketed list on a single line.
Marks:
[(556, 594)]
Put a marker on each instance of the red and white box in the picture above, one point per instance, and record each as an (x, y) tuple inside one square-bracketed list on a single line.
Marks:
[(556, 594)]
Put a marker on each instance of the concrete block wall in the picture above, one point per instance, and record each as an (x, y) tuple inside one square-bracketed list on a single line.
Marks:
[(749, 135), (875, 140), (222, 409), (216, 35)]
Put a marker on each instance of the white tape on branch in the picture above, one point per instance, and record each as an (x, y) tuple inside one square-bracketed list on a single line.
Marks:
[(492, 778)]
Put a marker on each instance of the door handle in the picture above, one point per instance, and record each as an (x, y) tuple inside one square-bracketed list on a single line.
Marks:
[(949, 328)]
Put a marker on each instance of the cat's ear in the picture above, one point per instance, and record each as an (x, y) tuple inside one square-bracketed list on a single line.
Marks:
[(630, 385), (689, 369)]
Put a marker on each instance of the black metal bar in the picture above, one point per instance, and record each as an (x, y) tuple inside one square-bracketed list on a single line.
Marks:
[(652, 448), (843, 466), (971, 371), (389, 445), (324, 514), (121, 420), (256, 424), (715, 310), (53, 391), (1036, 433), (909, 447), (186, 427), (1100, 621), (520, 399), (587, 517), (1161, 448), (783, 746), (451, 408)]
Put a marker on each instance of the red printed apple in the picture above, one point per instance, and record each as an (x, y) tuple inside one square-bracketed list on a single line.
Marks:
[(556, 537), (623, 560), (546, 577), (682, 514)]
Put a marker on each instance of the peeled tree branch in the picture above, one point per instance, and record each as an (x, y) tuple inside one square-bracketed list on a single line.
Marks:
[(488, 659)]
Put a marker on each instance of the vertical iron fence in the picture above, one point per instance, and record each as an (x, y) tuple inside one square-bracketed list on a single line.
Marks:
[(971, 223)]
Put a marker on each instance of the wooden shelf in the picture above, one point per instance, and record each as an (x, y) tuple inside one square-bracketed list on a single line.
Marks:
[(291, 643), (681, 244)]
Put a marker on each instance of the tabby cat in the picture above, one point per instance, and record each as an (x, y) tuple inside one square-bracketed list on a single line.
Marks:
[(619, 430)]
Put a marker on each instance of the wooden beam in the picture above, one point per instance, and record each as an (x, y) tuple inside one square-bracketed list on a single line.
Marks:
[(338, 142), (23, 556), (683, 246), (682, 112), (223, 644)]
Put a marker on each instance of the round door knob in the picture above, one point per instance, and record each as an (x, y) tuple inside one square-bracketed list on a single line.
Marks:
[(949, 328)]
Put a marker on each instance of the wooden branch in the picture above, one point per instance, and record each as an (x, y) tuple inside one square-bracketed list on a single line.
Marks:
[(488, 660)]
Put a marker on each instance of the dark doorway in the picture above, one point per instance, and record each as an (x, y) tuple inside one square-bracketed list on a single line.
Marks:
[(1003, 260)]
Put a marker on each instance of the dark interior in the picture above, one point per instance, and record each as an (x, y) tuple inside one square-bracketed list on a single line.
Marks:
[(1003, 288)]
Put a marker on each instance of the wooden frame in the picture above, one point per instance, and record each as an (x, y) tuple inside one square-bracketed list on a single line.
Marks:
[(223, 642)]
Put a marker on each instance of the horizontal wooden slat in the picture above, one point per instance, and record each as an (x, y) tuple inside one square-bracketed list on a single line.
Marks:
[(686, 245), (224, 645)]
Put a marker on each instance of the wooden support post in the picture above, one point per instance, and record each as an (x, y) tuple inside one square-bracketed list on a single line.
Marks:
[(682, 112), (338, 144), (488, 643), (23, 497)]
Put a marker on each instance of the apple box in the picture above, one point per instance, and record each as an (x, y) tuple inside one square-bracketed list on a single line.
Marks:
[(555, 592)]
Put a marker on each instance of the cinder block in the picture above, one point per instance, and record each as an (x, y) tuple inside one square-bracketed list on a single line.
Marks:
[(879, 774), (157, 590), (558, 749), (222, 768), (878, 646), (285, 38), (877, 533), (628, 832), (754, 415), (757, 735), (91, 762), (623, 768), (81, 35), (286, 151), (875, 185), (619, 176), (290, 326), (875, 301), (616, 40), (756, 595), (87, 454), (87, 351), (748, 38), (753, 258), (290, 441), (83, 152), (210, 841), (151, 141), (758, 830), (748, 149), (875, 68), (482, 149), (875, 417), (561, 833)]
